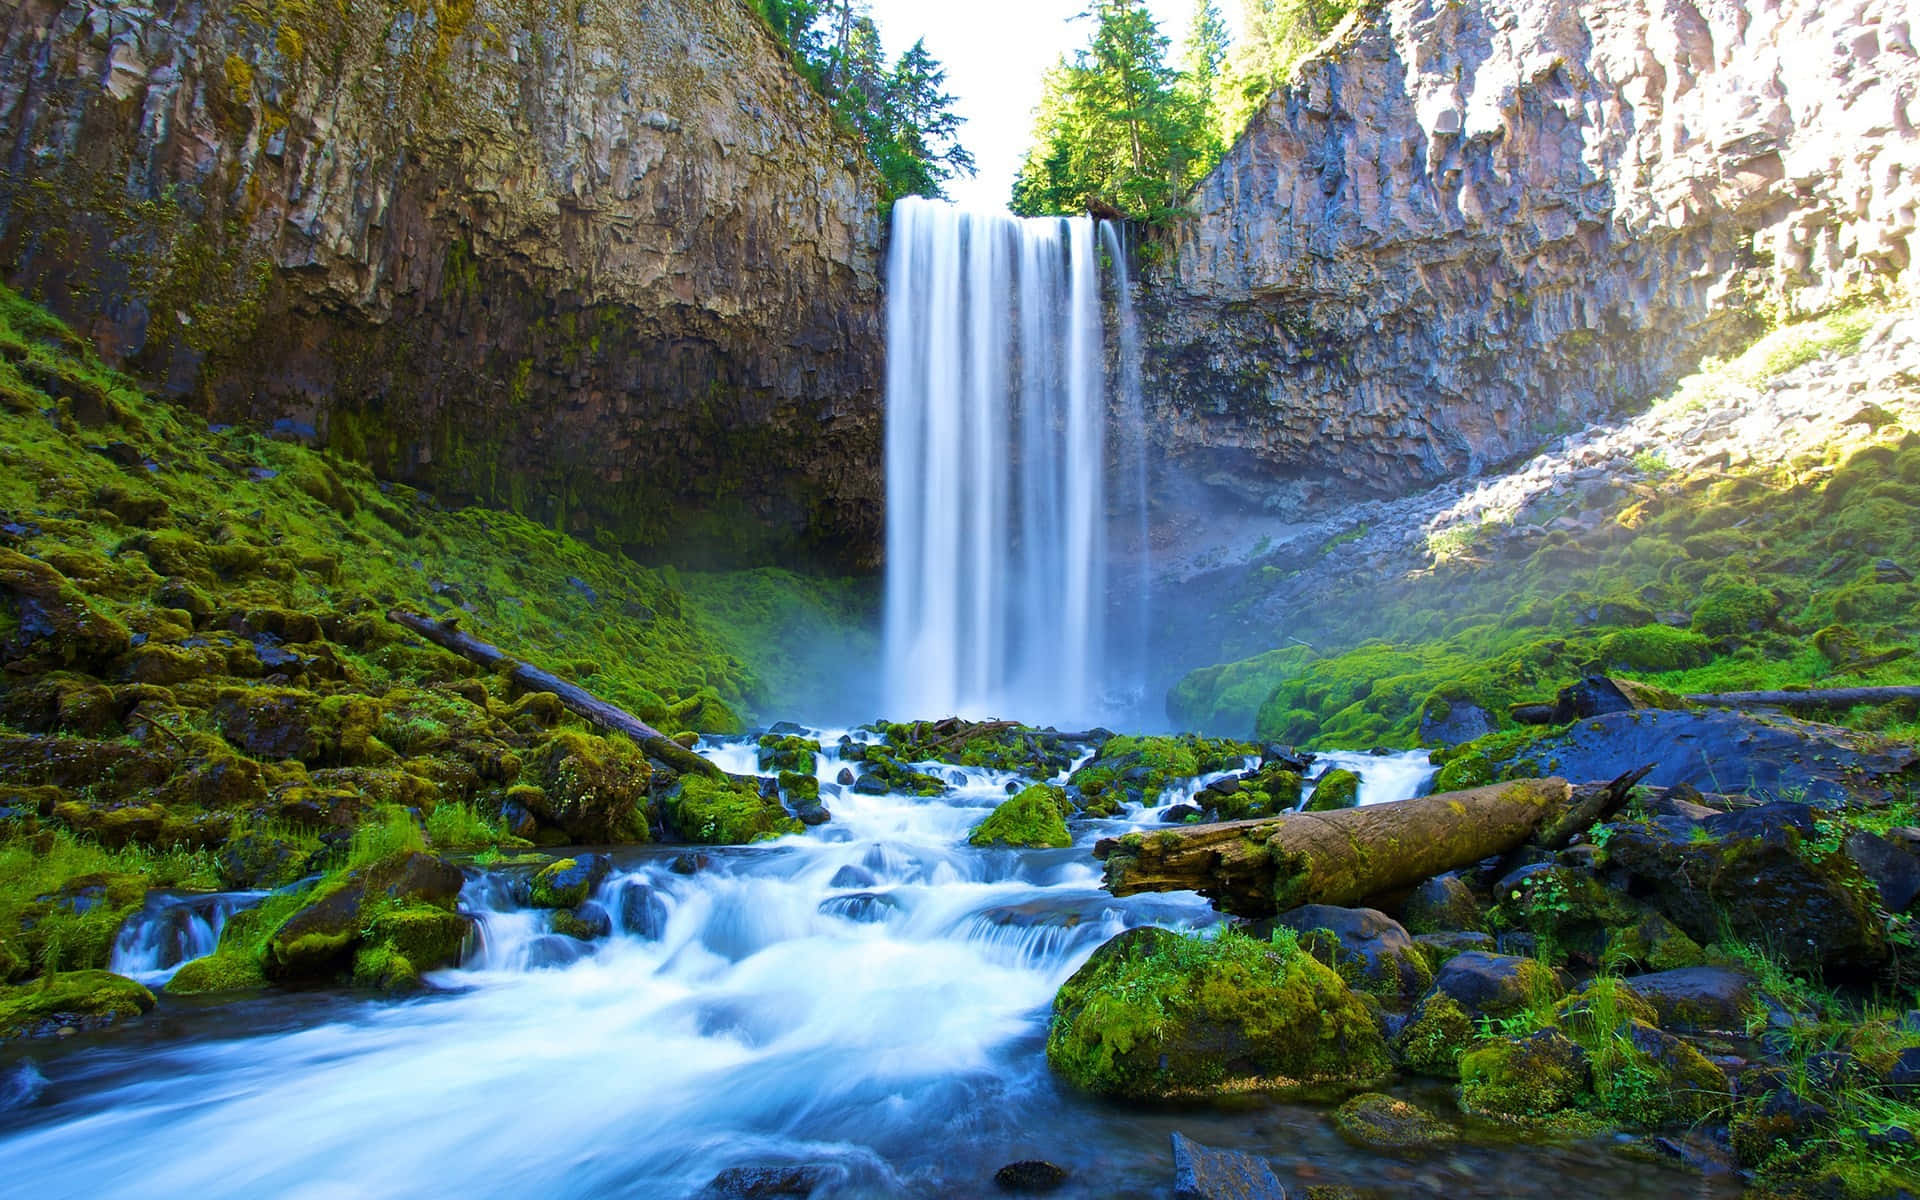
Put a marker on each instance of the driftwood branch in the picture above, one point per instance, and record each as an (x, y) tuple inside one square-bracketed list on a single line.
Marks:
[(1258, 868), (575, 698), (1811, 698), (1591, 805)]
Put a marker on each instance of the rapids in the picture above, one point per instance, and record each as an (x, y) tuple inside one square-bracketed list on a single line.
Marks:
[(869, 999)]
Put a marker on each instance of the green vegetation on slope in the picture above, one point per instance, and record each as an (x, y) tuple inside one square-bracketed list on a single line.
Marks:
[(201, 687), (1711, 581)]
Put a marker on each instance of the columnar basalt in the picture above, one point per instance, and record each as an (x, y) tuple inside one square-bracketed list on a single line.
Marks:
[(1467, 225), (607, 261)]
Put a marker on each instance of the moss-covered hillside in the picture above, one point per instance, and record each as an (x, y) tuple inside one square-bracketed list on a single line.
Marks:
[(1785, 570), (201, 685)]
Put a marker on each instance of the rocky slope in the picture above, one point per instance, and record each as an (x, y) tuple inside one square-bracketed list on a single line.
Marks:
[(1469, 225), (606, 261)]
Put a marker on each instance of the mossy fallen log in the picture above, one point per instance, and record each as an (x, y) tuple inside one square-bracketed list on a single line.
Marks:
[(1258, 868), (577, 700)]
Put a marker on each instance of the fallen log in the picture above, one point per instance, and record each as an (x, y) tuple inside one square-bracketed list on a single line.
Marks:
[(576, 699), (1811, 698), (1262, 867)]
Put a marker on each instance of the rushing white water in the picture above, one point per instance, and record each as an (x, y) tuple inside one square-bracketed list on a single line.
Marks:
[(999, 492), (866, 1002), (170, 930)]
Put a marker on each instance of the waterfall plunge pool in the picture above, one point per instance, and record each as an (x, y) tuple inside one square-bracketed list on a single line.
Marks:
[(867, 1002)]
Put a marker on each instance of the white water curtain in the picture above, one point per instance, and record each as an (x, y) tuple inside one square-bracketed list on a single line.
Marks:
[(998, 583)]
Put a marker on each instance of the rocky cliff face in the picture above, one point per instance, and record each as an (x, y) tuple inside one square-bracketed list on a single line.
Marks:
[(606, 261), (1472, 223)]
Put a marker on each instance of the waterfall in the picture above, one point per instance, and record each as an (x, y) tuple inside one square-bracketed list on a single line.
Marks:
[(1002, 480)]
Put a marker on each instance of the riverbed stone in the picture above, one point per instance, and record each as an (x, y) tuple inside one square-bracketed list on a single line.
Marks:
[(1495, 985), (1529, 1077), (1368, 947), (1030, 1175), (1203, 1173), (1701, 999)]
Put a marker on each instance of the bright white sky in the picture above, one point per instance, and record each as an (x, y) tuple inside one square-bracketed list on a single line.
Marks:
[(996, 52)]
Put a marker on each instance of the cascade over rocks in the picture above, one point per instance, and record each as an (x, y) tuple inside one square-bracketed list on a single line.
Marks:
[(617, 269), (1467, 224)]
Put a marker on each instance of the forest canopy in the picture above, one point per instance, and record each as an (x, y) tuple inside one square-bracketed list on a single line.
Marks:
[(1122, 128), (899, 109)]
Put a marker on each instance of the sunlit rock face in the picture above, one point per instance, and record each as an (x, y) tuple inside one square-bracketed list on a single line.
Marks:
[(608, 262), (1470, 224)]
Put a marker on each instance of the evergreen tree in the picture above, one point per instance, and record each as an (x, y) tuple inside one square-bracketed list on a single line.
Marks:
[(1116, 128), (1277, 34), (901, 111)]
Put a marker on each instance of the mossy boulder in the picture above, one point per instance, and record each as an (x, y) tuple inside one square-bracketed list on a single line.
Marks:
[(1337, 789), (1763, 875), (70, 1000), (1147, 765), (1369, 949), (725, 812), (1434, 1036), (568, 882), (593, 788), (1733, 609), (46, 622), (225, 970), (343, 914), (1652, 943), (1156, 1014), (1496, 985), (1034, 818), (788, 753), (402, 942), (1374, 1121), (1523, 1078), (1442, 904)]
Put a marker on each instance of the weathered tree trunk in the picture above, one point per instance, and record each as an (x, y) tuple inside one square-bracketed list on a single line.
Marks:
[(1258, 868), (1812, 698), (577, 699)]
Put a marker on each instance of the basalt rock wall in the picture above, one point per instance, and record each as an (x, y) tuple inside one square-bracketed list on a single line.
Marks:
[(605, 261), (1471, 224)]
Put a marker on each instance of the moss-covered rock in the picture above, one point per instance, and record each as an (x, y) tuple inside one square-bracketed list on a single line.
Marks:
[(568, 882), (70, 999), (1434, 1036), (788, 753), (1374, 1121), (730, 812), (1337, 789), (222, 971), (1155, 1014), (1149, 764), (1523, 1078), (593, 788), (1034, 818), (49, 623)]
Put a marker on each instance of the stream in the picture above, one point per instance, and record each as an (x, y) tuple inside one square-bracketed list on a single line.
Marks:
[(868, 1000)]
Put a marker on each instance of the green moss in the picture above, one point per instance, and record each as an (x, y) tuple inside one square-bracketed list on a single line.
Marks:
[(1157, 1014), (1334, 790), (1036, 817), (1526, 1078), (85, 998), (1150, 764), (796, 754), (219, 972), (1734, 609), (728, 812), (1436, 1033)]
